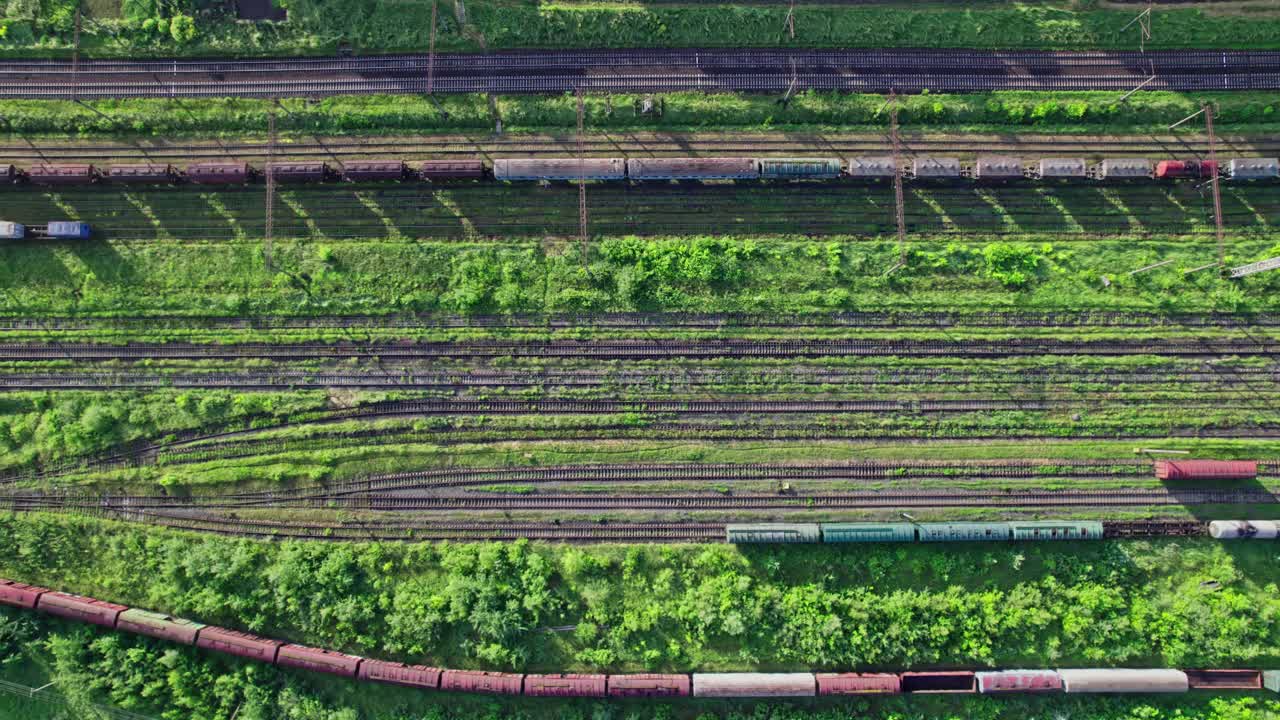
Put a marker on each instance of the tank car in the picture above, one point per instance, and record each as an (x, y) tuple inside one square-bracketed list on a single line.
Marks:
[(1254, 169), (1185, 169), (237, 643), (750, 685), (12, 231), (370, 170), (1224, 679), (799, 168), (650, 686), (318, 660), (298, 172), (774, 533), (994, 168), (1062, 169), (395, 673), (219, 173), (1124, 169), (142, 173), (1122, 680), (433, 170), (159, 625), (872, 168), (63, 174), (858, 684), (66, 230), (642, 169), (1244, 529), (1206, 469), (76, 607), (1018, 681), (868, 532), (565, 686), (940, 681), (20, 595), (936, 168), (560, 169), (479, 681)]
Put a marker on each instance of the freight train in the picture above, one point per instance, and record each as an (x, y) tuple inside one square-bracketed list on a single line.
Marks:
[(997, 169), (670, 685)]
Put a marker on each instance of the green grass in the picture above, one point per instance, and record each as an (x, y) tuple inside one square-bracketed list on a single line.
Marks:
[(1058, 112)]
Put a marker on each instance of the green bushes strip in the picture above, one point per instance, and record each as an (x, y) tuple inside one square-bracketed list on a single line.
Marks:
[(1066, 112)]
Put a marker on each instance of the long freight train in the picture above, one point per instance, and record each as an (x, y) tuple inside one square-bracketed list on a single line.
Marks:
[(999, 169), (705, 685)]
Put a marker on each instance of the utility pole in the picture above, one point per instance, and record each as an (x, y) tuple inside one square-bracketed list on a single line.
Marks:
[(582, 182), (271, 184), (1217, 194), (790, 23), (897, 178), (1144, 27), (75, 57)]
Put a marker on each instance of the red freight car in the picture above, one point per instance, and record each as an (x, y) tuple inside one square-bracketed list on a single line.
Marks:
[(649, 686), (417, 676), (365, 170), (947, 681), (19, 595), (318, 660), (300, 172), (451, 170), (858, 683), (1206, 469), (142, 173), (75, 607), (1019, 681), (242, 644), (159, 625), (219, 173), (478, 681), (1224, 679), (564, 685), (1174, 169), (62, 174)]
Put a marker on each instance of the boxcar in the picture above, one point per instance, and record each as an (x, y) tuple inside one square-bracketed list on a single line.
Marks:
[(560, 169), (1206, 469), (1019, 681), (943, 681), (969, 532), (858, 684), (872, 167), (12, 231), (1224, 679), (67, 230), (159, 625), (1056, 530), (298, 172), (1193, 169), (692, 169), (649, 686), (1122, 680), (565, 686), (75, 607), (318, 660), (479, 681), (219, 173), (1063, 169), (940, 168), (366, 170), (395, 673), (799, 168), (1244, 529), (995, 167), (1254, 169), (774, 533), (451, 170), (237, 643), (1124, 169), (748, 685), (142, 173), (868, 532), (62, 174), (19, 595)]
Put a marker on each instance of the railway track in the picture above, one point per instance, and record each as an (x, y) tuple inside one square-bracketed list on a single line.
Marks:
[(749, 70), (646, 349)]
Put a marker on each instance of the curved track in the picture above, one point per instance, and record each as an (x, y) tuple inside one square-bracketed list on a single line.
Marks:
[(759, 70)]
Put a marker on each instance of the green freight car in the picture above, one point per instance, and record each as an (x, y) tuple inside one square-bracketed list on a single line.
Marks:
[(868, 532), (774, 533)]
